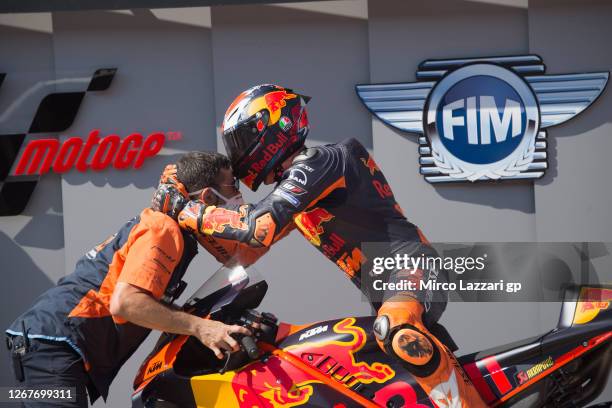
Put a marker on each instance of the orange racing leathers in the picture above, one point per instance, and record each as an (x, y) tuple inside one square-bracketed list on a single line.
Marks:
[(340, 201)]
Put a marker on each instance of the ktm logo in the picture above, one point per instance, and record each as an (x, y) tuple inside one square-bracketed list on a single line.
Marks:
[(156, 366), (56, 113)]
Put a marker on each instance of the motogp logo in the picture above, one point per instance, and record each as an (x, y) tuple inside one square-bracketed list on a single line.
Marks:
[(482, 118)]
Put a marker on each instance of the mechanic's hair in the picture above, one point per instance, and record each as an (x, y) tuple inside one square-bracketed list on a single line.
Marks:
[(197, 170)]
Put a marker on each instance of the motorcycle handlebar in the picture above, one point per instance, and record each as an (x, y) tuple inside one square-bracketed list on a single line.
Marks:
[(249, 345)]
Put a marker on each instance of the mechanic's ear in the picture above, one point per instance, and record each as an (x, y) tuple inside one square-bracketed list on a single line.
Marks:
[(208, 197)]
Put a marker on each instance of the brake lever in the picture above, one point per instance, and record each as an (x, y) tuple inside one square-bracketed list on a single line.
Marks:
[(228, 356), (248, 345)]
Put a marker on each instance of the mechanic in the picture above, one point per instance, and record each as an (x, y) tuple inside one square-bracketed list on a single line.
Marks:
[(80, 332), (338, 198)]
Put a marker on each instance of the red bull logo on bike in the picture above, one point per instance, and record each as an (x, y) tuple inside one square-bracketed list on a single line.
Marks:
[(272, 384), (337, 357), (217, 218), (277, 383), (592, 302), (310, 224), (261, 387)]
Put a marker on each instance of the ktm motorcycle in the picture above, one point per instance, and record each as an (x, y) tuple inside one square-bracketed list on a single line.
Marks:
[(337, 363)]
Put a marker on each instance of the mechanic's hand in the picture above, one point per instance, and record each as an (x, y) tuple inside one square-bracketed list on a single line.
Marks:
[(216, 336), (171, 195)]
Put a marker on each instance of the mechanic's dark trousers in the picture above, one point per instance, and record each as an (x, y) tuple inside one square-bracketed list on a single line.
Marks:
[(48, 364)]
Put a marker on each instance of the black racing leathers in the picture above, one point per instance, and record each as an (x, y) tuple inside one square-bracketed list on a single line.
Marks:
[(339, 199), (341, 202)]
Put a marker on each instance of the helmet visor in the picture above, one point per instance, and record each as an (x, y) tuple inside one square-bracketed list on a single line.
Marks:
[(240, 140)]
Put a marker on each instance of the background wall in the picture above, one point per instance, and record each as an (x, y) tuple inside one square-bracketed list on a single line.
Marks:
[(178, 69)]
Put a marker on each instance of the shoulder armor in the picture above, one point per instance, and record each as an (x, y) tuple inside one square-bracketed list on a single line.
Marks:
[(305, 154)]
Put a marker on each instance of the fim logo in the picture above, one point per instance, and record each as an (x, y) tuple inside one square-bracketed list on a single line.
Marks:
[(482, 118)]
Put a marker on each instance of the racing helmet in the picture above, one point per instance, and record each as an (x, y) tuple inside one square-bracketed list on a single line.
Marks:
[(262, 127)]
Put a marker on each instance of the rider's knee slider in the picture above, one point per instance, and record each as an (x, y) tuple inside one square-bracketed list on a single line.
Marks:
[(412, 347)]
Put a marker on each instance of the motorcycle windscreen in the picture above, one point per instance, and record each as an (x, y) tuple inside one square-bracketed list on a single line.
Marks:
[(225, 287)]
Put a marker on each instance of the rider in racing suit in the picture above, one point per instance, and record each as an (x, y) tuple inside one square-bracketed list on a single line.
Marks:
[(340, 201)]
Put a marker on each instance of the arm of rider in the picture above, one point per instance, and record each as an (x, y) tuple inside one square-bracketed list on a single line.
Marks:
[(171, 197), (136, 305), (308, 179)]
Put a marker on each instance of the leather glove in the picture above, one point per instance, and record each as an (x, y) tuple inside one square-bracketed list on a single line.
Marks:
[(171, 195)]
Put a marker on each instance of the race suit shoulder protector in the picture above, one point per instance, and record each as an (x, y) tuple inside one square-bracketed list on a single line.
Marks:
[(305, 154)]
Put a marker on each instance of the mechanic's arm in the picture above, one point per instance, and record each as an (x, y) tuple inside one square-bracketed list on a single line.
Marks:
[(137, 306), (153, 251)]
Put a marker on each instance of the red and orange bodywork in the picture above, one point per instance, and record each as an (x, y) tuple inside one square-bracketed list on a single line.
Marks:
[(338, 364)]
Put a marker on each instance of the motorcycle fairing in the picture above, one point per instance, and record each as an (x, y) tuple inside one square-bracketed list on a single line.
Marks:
[(502, 374), (342, 355), (346, 354)]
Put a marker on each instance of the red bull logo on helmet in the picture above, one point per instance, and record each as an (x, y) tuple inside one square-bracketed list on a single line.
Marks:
[(249, 179), (273, 101), (276, 100), (265, 153), (269, 151)]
